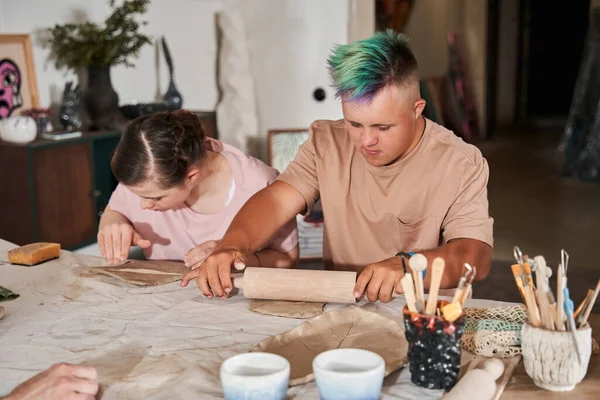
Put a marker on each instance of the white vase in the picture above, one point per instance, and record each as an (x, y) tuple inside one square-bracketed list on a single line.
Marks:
[(550, 357), (18, 130)]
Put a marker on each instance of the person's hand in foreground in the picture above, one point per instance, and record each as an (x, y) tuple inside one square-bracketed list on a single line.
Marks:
[(59, 382)]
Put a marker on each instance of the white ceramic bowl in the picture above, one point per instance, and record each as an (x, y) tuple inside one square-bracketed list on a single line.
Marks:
[(18, 130), (255, 376), (348, 374)]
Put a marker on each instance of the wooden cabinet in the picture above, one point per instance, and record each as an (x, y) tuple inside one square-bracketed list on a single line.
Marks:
[(56, 190)]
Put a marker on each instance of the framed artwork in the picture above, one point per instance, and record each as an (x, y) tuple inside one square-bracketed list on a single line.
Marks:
[(18, 83), (283, 145)]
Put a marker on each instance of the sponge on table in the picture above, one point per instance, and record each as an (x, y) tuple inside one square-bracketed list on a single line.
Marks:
[(34, 253)]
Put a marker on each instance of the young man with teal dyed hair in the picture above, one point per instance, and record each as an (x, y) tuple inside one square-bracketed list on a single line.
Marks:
[(389, 180)]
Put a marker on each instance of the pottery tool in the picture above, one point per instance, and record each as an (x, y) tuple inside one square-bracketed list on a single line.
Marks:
[(298, 285), (478, 383), (525, 273), (516, 270), (437, 272), (418, 264), (541, 290), (468, 288), (409, 292), (460, 289), (528, 296), (584, 302), (452, 311), (568, 306), (588, 309), (560, 286)]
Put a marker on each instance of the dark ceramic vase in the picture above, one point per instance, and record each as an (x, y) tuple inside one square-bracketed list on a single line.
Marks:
[(100, 100)]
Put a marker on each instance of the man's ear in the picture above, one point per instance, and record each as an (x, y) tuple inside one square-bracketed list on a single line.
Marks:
[(419, 107)]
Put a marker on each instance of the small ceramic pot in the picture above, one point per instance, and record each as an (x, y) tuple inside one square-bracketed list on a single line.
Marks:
[(550, 357), (349, 374), (255, 376), (433, 349), (18, 130)]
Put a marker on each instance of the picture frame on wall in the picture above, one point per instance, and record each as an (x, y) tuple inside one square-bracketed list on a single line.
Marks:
[(17, 75), (283, 144)]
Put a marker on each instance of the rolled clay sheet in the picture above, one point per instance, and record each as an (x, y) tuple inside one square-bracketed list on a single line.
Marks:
[(143, 273), (288, 309), (345, 328)]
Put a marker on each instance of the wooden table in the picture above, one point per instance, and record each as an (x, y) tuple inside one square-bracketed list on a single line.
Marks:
[(521, 386)]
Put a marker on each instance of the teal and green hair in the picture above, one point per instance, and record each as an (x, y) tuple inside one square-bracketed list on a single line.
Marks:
[(361, 69)]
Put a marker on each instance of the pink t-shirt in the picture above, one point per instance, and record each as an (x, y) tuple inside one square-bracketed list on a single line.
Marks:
[(174, 232)]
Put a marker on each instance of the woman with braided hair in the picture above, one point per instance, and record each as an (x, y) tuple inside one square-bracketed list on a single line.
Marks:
[(179, 191)]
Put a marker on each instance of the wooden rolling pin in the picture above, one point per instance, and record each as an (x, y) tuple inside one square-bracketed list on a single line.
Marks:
[(298, 285)]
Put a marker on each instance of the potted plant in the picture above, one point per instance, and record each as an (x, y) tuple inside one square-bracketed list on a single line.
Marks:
[(97, 48)]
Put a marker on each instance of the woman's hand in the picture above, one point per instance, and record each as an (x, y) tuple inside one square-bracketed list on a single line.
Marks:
[(115, 240)]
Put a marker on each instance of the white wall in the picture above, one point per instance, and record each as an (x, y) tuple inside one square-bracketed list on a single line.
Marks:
[(427, 28), (188, 27), (289, 42)]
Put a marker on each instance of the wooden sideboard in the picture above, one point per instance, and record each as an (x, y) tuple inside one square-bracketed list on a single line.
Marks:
[(56, 190)]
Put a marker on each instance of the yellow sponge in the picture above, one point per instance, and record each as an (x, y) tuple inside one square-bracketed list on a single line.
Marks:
[(34, 253)]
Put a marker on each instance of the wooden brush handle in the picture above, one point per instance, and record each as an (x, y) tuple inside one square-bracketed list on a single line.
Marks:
[(437, 272), (409, 292)]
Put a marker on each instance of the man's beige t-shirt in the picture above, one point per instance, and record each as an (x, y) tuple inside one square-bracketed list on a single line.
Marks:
[(437, 193)]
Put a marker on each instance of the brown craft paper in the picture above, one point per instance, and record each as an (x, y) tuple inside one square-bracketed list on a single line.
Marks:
[(289, 309), (345, 328), (144, 273)]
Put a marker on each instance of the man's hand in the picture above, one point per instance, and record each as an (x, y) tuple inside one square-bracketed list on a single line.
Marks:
[(196, 256), (115, 240), (214, 274), (379, 280), (61, 381)]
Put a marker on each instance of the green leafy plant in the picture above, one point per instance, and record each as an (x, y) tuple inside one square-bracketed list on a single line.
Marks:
[(75, 45)]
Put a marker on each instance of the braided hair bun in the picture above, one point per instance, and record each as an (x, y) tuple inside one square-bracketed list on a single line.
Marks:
[(161, 146)]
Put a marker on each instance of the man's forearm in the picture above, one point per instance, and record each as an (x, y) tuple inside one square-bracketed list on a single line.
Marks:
[(456, 253), (271, 258), (263, 215)]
